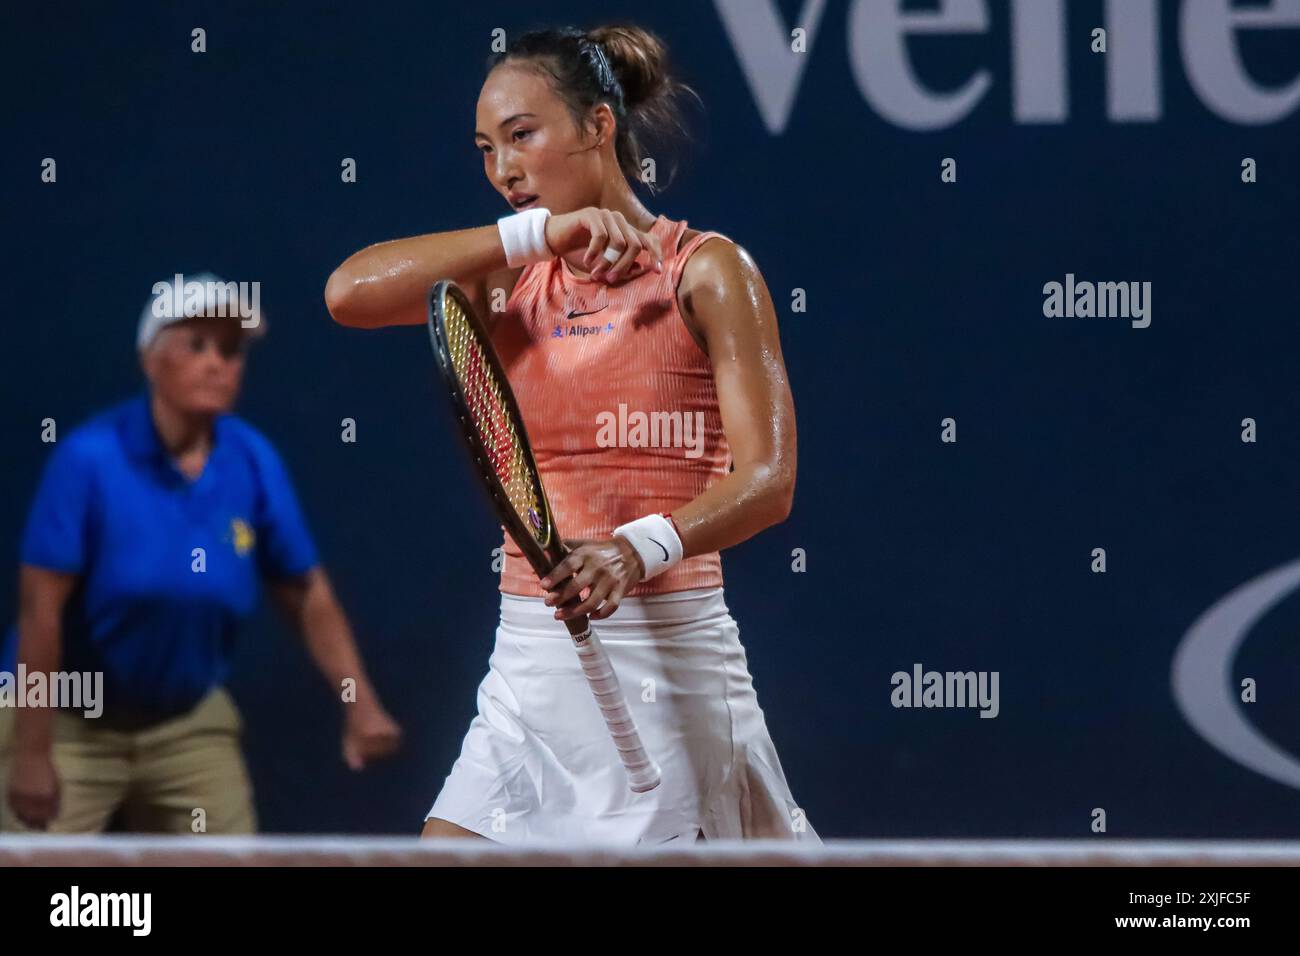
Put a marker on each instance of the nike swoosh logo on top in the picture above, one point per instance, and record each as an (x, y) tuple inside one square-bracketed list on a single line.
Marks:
[(661, 548), (577, 315)]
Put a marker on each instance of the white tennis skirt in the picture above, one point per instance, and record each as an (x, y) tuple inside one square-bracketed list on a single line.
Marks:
[(539, 764)]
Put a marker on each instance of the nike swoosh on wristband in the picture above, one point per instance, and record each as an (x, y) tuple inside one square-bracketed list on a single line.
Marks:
[(661, 548)]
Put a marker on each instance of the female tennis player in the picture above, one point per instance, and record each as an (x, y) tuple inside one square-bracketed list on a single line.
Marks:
[(646, 362)]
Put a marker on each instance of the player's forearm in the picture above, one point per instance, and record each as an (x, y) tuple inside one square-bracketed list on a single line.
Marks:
[(387, 283), (753, 497)]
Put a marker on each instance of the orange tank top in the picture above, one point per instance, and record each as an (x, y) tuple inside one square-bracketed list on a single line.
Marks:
[(619, 403)]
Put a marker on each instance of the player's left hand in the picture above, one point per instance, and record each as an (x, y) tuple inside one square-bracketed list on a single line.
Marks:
[(609, 568), (369, 734)]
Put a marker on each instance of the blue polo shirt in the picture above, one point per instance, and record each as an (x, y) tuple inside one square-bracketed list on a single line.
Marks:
[(167, 566)]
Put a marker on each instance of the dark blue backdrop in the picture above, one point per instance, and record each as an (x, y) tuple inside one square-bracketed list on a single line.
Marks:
[(924, 302)]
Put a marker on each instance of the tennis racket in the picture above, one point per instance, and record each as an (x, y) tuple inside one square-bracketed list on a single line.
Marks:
[(493, 430)]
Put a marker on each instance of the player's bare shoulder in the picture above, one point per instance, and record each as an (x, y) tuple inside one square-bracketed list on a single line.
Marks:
[(718, 272)]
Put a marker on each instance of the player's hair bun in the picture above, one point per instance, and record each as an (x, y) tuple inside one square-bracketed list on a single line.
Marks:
[(639, 60)]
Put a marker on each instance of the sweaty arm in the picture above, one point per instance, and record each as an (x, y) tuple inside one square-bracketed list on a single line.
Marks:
[(727, 306), (387, 283)]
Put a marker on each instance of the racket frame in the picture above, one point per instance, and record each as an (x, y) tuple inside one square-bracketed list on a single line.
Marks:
[(542, 556), (643, 772)]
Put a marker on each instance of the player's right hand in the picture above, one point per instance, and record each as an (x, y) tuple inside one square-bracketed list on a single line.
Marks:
[(33, 791), (593, 231)]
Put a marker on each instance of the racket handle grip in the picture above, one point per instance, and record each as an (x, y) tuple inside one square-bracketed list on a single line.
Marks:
[(642, 771)]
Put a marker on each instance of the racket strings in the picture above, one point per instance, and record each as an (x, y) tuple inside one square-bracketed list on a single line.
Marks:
[(490, 415)]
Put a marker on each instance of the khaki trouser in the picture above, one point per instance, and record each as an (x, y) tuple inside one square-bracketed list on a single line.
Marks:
[(160, 777)]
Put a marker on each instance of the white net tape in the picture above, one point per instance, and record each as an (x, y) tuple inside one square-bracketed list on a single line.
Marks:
[(126, 850)]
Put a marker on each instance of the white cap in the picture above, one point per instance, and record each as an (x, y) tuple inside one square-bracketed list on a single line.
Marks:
[(202, 295)]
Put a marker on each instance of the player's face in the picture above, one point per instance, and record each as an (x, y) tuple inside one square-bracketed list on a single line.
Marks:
[(196, 366), (531, 146)]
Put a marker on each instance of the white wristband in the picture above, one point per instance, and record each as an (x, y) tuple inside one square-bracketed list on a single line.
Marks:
[(656, 540), (523, 236)]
